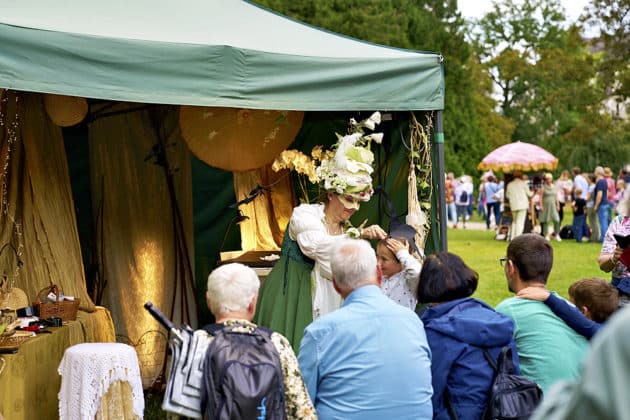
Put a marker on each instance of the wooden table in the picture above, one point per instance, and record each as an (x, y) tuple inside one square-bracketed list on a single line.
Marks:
[(29, 383)]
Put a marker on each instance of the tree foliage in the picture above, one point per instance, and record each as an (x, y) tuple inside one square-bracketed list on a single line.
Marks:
[(612, 18), (422, 25), (547, 79), (522, 72)]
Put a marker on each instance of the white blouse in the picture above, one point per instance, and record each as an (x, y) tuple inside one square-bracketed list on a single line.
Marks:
[(307, 228), (401, 287)]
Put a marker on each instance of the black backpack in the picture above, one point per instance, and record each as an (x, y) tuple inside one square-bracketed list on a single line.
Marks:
[(242, 376), (463, 197), (511, 396), (566, 232)]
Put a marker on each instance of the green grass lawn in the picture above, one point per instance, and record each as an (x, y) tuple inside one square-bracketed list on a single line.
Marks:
[(571, 261)]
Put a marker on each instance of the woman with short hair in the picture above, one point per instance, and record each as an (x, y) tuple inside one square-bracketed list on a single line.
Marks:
[(459, 328)]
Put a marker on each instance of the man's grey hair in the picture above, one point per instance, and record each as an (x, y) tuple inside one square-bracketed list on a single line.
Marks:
[(353, 263), (231, 288), (599, 171)]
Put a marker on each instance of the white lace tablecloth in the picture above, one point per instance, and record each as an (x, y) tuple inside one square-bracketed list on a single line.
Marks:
[(87, 371)]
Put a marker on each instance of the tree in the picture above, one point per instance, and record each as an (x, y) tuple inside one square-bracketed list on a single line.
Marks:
[(509, 42), (423, 25), (547, 81), (612, 18)]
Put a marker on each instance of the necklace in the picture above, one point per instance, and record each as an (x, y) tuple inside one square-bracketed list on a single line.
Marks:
[(333, 228)]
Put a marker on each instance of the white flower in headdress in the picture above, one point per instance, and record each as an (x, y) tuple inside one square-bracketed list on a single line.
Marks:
[(373, 121), (376, 137), (346, 168)]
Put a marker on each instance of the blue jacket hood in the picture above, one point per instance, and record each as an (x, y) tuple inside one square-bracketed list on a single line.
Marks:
[(470, 321)]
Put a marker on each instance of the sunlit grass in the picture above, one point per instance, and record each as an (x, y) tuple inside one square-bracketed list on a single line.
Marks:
[(571, 261)]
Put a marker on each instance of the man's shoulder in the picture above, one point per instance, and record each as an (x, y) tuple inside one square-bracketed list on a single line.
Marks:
[(506, 304)]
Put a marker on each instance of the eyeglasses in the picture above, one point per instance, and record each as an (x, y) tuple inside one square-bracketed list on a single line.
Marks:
[(503, 260)]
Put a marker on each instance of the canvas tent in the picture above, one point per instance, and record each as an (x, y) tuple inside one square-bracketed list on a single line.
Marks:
[(123, 55)]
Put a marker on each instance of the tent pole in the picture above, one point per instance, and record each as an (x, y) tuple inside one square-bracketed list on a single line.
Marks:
[(439, 144)]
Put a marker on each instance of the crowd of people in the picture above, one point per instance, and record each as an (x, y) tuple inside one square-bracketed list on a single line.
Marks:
[(386, 333), (374, 357), (538, 203)]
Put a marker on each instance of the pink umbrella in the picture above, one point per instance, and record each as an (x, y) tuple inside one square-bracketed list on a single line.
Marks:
[(518, 156)]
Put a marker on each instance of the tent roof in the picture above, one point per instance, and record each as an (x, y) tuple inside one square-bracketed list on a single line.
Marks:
[(205, 52)]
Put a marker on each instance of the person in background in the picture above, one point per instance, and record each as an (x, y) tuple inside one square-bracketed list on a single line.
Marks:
[(619, 195), (468, 182), (579, 181), (481, 199), (580, 229), (564, 186), (545, 354), (232, 292), (611, 252), (370, 359), (601, 392), (595, 301), (518, 194), (449, 195), (462, 200), (612, 190), (493, 204), (458, 328), (591, 214), (549, 208), (600, 205), (400, 271)]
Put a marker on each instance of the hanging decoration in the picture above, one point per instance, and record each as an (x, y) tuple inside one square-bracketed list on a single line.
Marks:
[(419, 182), (10, 296), (65, 111), (238, 139)]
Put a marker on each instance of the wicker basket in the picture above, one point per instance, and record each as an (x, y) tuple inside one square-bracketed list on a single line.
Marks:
[(65, 309)]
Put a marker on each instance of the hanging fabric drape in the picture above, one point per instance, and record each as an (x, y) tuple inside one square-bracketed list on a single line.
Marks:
[(268, 213), (37, 206), (144, 232)]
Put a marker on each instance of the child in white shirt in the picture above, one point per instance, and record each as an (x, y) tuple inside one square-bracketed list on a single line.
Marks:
[(400, 271)]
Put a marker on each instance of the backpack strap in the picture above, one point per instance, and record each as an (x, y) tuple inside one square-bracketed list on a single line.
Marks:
[(505, 362), (449, 405), (490, 360)]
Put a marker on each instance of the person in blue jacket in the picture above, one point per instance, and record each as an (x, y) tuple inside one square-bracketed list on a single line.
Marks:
[(458, 328)]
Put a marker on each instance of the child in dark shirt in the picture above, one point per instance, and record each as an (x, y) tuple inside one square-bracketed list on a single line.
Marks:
[(580, 229)]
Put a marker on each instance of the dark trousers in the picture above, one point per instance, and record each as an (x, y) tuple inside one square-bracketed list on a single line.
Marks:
[(493, 208), (580, 230)]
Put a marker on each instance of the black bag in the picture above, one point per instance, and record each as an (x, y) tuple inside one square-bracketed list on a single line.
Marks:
[(463, 197), (242, 376), (511, 396), (566, 232)]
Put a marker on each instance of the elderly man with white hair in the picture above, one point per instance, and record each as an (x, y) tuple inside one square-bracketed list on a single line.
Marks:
[(231, 297), (370, 358)]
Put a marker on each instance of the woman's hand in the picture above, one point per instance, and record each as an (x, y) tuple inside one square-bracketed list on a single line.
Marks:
[(373, 232), (534, 293)]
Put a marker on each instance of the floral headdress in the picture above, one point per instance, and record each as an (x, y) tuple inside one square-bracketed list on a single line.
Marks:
[(346, 168)]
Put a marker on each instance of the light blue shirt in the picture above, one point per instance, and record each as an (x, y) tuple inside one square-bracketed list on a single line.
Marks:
[(548, 349), (368, 360), (491, 188)]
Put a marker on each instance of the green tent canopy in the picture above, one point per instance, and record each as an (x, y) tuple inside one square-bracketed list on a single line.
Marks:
[(227, 53), (217, 53)]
